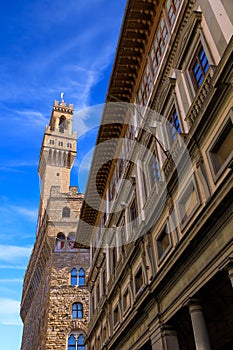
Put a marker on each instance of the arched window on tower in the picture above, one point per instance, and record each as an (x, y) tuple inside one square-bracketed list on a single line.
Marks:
[(62, 124), (76, 341), (73, 277), (81, 277), (81, 345), (60, 242), (77, 310), (66, 212), (72, 342), (71, 242)]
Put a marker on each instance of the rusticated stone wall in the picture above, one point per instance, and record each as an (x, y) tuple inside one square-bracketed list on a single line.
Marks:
[(35, 322), (49, 322), (46, 307), (62, 296)]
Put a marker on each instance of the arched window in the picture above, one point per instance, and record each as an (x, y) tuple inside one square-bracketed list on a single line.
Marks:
[(81, 277), (71, 241), (76, 342), (66, 212), (60, 242), (81, 345), (71, 342), (74, 277), (77, 310), (62, 124)]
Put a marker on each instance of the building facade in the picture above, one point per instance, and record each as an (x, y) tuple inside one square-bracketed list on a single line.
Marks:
[(161, 273), (55, 299)]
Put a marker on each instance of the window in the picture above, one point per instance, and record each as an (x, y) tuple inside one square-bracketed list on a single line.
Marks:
[(71, 242), (73, 276), (163, 242), (62, 124), (221, 153), (171, 8), (138, 280), (77, 310), (76, 342), (97, 293), (66, 212), (174, 124), (104, 281), (154, 171), (81, 277), (116, 315), (71, 342), (113, 258), (60, 242), (188, 202), (69, 145), (60, 143), (81, 342), (51, 142), (199, 67), (133, 213), (126, 300)]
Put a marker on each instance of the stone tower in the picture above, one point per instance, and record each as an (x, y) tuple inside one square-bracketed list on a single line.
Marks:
[(54, 306)]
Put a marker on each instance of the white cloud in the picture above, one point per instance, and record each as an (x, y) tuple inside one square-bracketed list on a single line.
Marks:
[(28, 213), (9, 312), (13, 254), (33, 118)]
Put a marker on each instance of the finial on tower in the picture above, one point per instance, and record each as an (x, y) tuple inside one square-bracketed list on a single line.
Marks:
[(62, 96)]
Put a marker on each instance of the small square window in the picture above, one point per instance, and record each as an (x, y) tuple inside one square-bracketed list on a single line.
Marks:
[(60, 143), (51, 142)]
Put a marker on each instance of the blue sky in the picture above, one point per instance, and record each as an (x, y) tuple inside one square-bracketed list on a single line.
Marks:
[(47, 47)]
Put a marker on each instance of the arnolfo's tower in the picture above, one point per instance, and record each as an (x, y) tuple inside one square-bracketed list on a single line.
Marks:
[(54, 306)]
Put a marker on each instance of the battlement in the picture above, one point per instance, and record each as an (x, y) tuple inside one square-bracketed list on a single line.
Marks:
[(62, 107)]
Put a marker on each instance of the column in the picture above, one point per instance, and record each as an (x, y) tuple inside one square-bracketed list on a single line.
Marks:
[(165, 338), (199, 326), (230, 274)]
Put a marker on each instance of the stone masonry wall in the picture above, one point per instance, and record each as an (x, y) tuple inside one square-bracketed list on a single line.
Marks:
[(61, 297)]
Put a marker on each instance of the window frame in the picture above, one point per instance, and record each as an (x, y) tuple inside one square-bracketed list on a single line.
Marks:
[(81, 277), (217, 173), (116, 321), (76, 335), (137, 290), (170, 119), (182, 199), (161, 254), (77, 310), (196, 60), (126, 307), (66, 212), (75, 276), (61, 240)]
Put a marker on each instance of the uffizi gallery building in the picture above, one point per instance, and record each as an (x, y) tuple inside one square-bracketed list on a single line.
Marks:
[(143, 260)]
